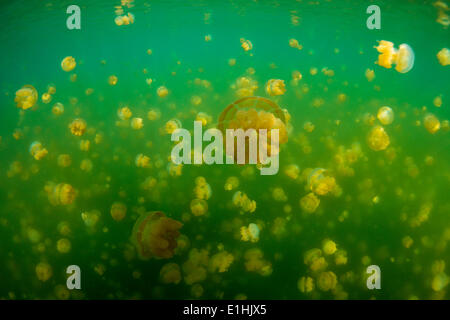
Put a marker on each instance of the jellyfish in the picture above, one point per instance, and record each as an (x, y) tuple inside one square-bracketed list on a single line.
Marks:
[(275, 87), (243, 202), (26, 97), (124, 113), (153, 114), (199, 207), (326, 281), (58, 109), (90, 218), (63, 245), (162, 92), (60, 194), (340, 257), (112, 80), (137, 123), (254, 113), (403, 58), (444, 56), (86, 165), (370, 75), (245, 86), (43, 271), (254, 262), (204, 118), (320, 182), (170, 273), (378, 139), (142, 161), (220, 262), (78, 127), (309, 203), (329, 247), (250, 233), (68, 64), (195, 268), (46, 97), (431, 123), (118, 211), (231, 183), (172, 125), (37, 150), (246, 44), (155, 235), (85, 145), (305, 284), (385, 115)]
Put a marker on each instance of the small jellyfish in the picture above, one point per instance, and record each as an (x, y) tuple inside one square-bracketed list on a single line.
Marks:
[(370, 75), (112, 80), (118, 211), (431, 123), (85, 145), (385, 115), (137, 123), (199, 207), (153, 114), (204, 118), (444, 56), (437, 101), (378, 139), (246, 44), (329, 247), (320, 182), (142, 161), (220, 262), (90, 218), (305, 284), (309, 203), (250, 233), (46, 97), (275, 87), (124, 113), (170, 273), (78, 127), (37, 150), (63, 245), (162, 92), (68, 64), (58, 109), (86, 165), (61, 194), (326, 281), (172, 125), (155, 235), (26, 97), (231, 183), (43, 271)]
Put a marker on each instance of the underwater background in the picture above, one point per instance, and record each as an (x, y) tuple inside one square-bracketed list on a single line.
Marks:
[(68, 199)]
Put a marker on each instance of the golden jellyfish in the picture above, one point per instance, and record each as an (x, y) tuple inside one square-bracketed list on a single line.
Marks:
[(250, 233), (437, 101), (155, 235), (305, 284), (46, 97), (431, 123), (58, 109), (329, 247), (326, 281), (118, 211), (86, 165), (403, 58), (245, 86), (43, 271), (292, 171), (26, 97), (162, 92), (275, 87), (63, 245), (170, 273), (309, 203), (90, 218), (246, 44), (199, 207), (378, 139), (142, 161), (68, 64), (243, 202), (124, 113), (112, 80), (153, 114), (320, 182), (444, 56), (254, 113), (37, 150), (204, 118), (172, 125), (231, 183), (370, 75), (51, 89), (85, 145), (220, 262), (78, 127), (137, 123), (385, 115), (254, 262), (60, 194)]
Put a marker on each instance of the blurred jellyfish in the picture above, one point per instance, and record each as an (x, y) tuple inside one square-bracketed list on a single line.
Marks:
[(46, 97), (320, 182), (431, 123), (90, 218), (78, 127), (43, 271), (155, 235), (162, 92), (85, 145), (246, 44), (37, 150), (142, 161), (153, 114), (63, 245), (172, 125), (444, 56), (305, 284), (326, 281), (385, 115), (231, 183), (170, 273), (250, 233), (275, 87), (329, 247), (137, 123), (220, 262), (26, 97), (86, 165), (378, 139), (112, 80), (309, 203), (68, 64), (118, 211), (204, 118), (60, 194), (243, 202), (58, 109), (199, 207)]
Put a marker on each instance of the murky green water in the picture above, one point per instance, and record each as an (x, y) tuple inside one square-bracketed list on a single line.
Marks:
[(388, 208)]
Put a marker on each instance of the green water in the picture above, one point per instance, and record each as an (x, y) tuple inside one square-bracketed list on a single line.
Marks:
[(381, 198)]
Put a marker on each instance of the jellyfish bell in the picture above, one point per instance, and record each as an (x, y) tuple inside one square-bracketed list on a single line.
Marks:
[(404, 58), (26, 97), (155, 235), (385, 115)]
